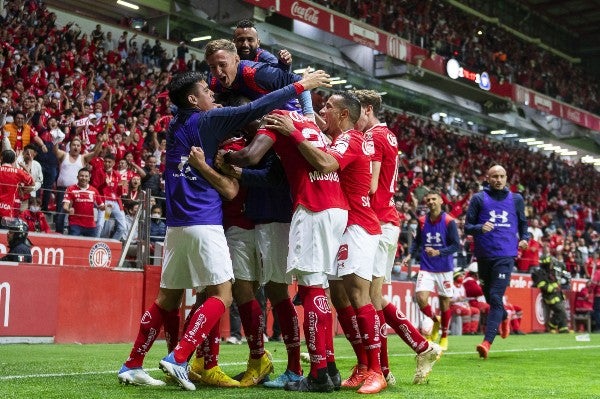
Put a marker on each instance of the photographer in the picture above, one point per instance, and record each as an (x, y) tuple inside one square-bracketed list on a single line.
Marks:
[(549, 278)]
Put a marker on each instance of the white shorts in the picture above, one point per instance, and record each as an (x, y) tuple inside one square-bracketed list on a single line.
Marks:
[(244, 253), (428, 281), (195, 257), (272, 242), (386, 251), (315, 239), (357, 253), (308, 279)]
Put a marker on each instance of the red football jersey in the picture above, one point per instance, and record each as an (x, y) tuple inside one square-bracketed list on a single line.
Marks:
[(353, 151), (83, 202), (12, 178), (312, 189), (385, 146)]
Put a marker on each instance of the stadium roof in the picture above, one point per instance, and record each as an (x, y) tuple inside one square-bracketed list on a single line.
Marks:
[(580, 17)]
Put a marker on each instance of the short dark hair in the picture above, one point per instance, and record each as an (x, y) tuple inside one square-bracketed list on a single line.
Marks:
[(8, 156), (351, 103), (245, 23), (83, 170), (182, 85)]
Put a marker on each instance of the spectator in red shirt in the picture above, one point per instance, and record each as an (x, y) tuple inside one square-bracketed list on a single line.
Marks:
[(529, 258), (79, 202), (35, 219), (13, 180)]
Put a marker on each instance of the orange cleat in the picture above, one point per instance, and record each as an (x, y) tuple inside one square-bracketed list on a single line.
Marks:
[(374, 383), (505, 328), (358, 376), (483, 349)]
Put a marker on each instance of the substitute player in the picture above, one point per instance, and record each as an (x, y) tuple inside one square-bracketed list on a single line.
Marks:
[(437, 240)]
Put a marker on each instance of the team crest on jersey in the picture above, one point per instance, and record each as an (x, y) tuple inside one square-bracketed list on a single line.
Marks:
[(368, 147), (296, 117), (342, 143), (391, 138)]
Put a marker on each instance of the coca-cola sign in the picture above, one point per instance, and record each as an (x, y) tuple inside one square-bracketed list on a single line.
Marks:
[(308, 14)]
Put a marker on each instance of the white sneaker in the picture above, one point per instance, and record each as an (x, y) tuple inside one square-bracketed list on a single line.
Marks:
[(425, 362), (137, 376), (233, 341), (265, 338)]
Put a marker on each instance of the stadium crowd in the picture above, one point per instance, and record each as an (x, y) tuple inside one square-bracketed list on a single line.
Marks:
[(71, 84), (92, 110), (448, 31)]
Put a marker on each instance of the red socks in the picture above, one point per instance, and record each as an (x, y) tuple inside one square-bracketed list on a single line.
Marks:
[(253, 322), (290, 330), (404, 328), (383, 354), (368, 324), (428, 312), (446, 319), (349, 323), (171, 325), (201, 323), (150, 324), (316, 308)]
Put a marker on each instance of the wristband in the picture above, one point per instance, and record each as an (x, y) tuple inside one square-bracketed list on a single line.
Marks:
[(297, 137), (299, 87)]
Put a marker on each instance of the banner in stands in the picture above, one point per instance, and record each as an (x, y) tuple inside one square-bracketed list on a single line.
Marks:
[(397, 47), (65, 250)]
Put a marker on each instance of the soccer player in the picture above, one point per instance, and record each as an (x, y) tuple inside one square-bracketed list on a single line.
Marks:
[(195, 241), (319, 219), (247, 78), (245, 38), (350, 154), (383, 184), (496, 220), (437, 240)]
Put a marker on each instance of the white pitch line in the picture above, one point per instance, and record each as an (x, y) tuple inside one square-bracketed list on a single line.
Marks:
[(54, 375)]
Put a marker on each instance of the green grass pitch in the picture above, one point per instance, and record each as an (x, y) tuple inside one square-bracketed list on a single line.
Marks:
[(531, 366)]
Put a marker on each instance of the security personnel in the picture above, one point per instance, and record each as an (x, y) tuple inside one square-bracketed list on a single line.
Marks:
[(19, 246), (546, 280)]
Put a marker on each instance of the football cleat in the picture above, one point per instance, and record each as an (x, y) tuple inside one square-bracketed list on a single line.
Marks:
[(444, 343), (390, 379), (435, 331), (358, 376), (137, 376), (425, 362), (257, 370), (283, 379), (179, 371), (483, 349), (374, 383), (311, 384)]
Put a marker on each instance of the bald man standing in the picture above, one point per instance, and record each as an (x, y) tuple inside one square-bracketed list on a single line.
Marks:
[(496, 220)]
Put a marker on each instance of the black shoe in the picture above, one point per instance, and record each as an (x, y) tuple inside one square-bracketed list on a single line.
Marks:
[(275, 338), (518, 332), (310, 384), (336, 379)]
